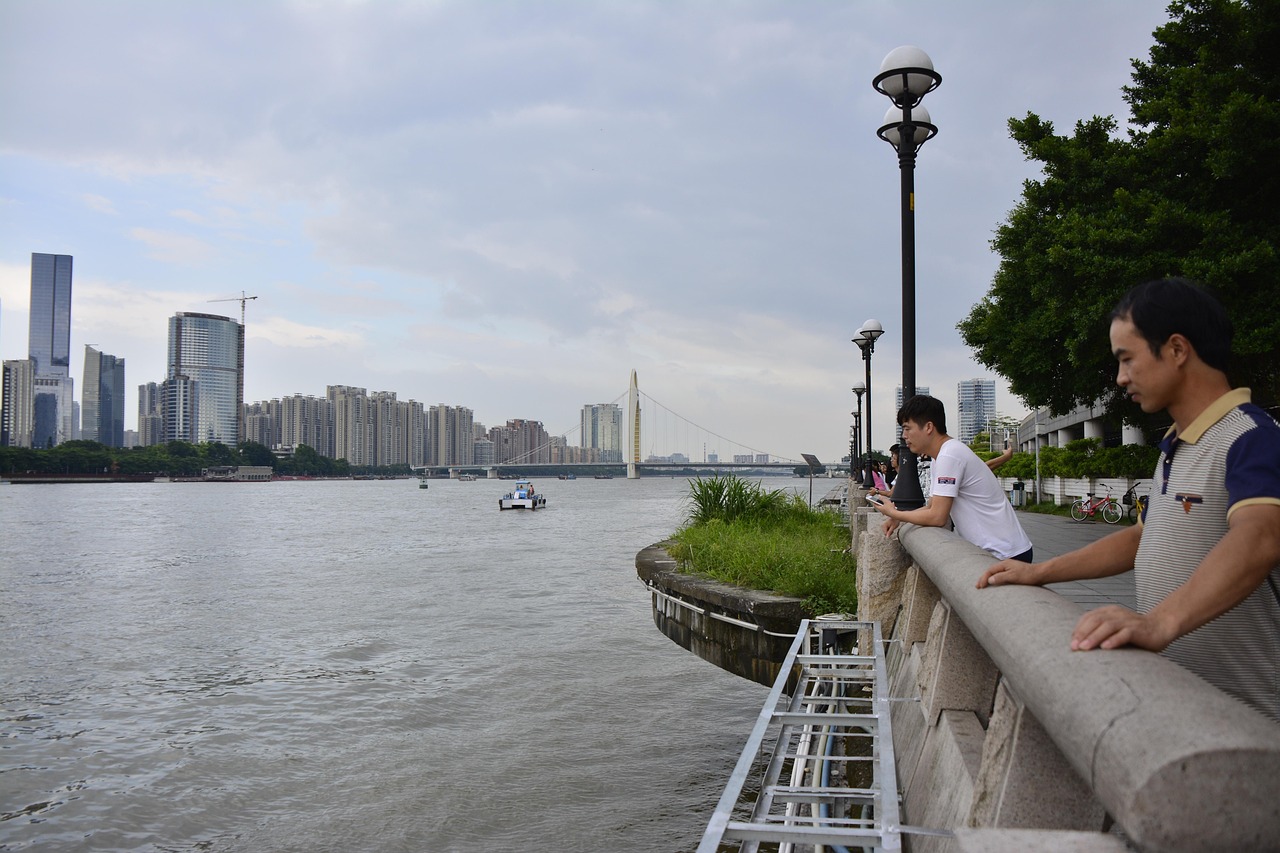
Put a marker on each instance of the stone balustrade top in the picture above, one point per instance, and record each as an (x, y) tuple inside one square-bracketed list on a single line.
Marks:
[(1178, 763)]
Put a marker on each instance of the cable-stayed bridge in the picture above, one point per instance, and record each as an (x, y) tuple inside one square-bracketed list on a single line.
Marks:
[(653, 437)]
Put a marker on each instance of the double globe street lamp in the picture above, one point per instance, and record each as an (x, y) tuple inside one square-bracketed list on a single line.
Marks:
[(905, 77), (866, 341), (855, 445)]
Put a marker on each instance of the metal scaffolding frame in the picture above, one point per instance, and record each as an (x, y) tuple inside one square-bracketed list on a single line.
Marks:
[(829, 776)]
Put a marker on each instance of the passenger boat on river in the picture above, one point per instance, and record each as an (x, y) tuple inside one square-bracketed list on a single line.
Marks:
[(523, 496)]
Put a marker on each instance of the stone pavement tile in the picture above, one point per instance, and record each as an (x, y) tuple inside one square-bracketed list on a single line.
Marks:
[(1052, 535)]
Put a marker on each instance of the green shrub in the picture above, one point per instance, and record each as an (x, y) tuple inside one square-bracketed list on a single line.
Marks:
[(740, 533)]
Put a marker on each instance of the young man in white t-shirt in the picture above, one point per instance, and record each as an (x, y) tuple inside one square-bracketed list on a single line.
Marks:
[(962, 487)]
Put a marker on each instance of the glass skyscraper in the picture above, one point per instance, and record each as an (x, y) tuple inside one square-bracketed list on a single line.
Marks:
[(102, 406), (49, 349), (204, 388), (49, 332)]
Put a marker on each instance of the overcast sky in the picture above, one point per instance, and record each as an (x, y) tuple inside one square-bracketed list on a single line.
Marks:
[(508, 206)]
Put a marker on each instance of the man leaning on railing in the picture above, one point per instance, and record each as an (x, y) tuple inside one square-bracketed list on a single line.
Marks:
[(1206, 556)]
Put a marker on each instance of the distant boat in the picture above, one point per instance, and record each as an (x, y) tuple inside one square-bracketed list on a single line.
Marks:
[(604, 476), (523, 496), (422, 484), (466, 478), (568, 476)]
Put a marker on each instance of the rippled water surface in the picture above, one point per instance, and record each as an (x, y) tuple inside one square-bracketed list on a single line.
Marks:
[(357, 665)]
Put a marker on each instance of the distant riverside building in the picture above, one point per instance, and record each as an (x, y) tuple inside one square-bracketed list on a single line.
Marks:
[(49, 322), (352, 427), (602, 428), (49, 349), (300, 419), (920, 389), (102, 407), (150, 415), (53, 419), (206, 363), (450, 436), (743, 459), (179, 410), (521, 440), (16, 403), (482, 451), (976, 399)]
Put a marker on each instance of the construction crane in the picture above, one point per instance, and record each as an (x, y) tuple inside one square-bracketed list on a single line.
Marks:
[(242, 299)]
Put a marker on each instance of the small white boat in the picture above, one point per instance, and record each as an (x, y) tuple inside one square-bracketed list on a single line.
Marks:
[(523, 496), (466, 478)]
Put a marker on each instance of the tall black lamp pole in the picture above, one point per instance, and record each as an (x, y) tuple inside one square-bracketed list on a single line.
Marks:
[(866, 341), (905, 77), (855, 444)]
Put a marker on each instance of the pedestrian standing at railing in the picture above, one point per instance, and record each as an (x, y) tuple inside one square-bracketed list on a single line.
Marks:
[(1206, 558), (963, 489)]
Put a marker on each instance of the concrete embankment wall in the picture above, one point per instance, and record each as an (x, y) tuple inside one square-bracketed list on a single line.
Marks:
[(1016, 743), (743, 631)]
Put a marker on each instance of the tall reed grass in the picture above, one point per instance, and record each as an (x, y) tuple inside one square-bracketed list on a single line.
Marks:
[(738, 532)]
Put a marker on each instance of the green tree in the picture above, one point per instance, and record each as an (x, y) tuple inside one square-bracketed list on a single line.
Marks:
[(1189, 192), (255, 453)]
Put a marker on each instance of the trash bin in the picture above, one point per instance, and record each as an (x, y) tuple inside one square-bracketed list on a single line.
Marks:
[(1018, 497)]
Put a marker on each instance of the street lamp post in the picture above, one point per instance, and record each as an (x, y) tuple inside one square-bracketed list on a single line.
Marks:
[(905, 77), (855, 448), (866, 341)]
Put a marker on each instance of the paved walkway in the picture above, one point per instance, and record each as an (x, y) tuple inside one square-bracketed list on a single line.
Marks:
[(1052, 535)]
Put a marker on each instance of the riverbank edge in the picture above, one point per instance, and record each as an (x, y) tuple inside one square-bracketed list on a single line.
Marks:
[(743, 631)]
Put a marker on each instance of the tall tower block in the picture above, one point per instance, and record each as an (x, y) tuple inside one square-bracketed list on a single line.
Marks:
[(633, 425)]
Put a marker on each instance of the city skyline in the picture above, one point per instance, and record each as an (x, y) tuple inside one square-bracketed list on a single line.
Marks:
[(537, 198)]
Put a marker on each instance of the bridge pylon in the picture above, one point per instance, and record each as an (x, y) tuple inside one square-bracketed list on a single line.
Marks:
[(633, 421)]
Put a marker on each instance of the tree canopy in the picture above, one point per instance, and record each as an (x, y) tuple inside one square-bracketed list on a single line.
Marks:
[(1189, 192)]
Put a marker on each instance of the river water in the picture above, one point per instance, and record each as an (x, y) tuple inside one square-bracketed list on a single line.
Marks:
[(350, 665)]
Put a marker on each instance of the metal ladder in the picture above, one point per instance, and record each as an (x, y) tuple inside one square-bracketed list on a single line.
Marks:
[(833, 728)]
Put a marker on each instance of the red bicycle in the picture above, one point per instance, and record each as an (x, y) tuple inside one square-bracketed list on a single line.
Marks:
[(1088, 507)]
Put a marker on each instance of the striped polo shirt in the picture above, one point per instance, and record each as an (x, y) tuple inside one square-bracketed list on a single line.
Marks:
[(1227, 458)]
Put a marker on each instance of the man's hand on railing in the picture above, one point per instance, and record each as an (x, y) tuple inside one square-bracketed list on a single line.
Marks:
[(1113, 626), (1010, 572)]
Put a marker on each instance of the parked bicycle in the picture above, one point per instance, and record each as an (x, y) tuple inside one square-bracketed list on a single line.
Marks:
[(1136, 503), (1088, 507)]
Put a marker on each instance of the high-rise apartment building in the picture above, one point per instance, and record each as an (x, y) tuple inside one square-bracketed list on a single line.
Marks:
[(450, 432), (920, 389), (602, 428), (179, 410), (521, 440), (399, 429), (150, 415), (976, 406), (208, 350), (102, 404), (49, 349), (16, 404), (304, 420), (352, 425)]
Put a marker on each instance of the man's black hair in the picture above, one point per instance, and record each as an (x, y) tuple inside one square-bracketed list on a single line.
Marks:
[(1168, 306), (923, 409)]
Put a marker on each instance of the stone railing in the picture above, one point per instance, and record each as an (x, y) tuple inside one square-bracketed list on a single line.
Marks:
[(1014, 742)]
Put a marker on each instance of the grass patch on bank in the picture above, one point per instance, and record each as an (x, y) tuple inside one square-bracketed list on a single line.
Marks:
[(740, 533)]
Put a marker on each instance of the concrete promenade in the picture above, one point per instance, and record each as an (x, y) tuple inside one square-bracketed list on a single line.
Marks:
[(1052, 535)]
